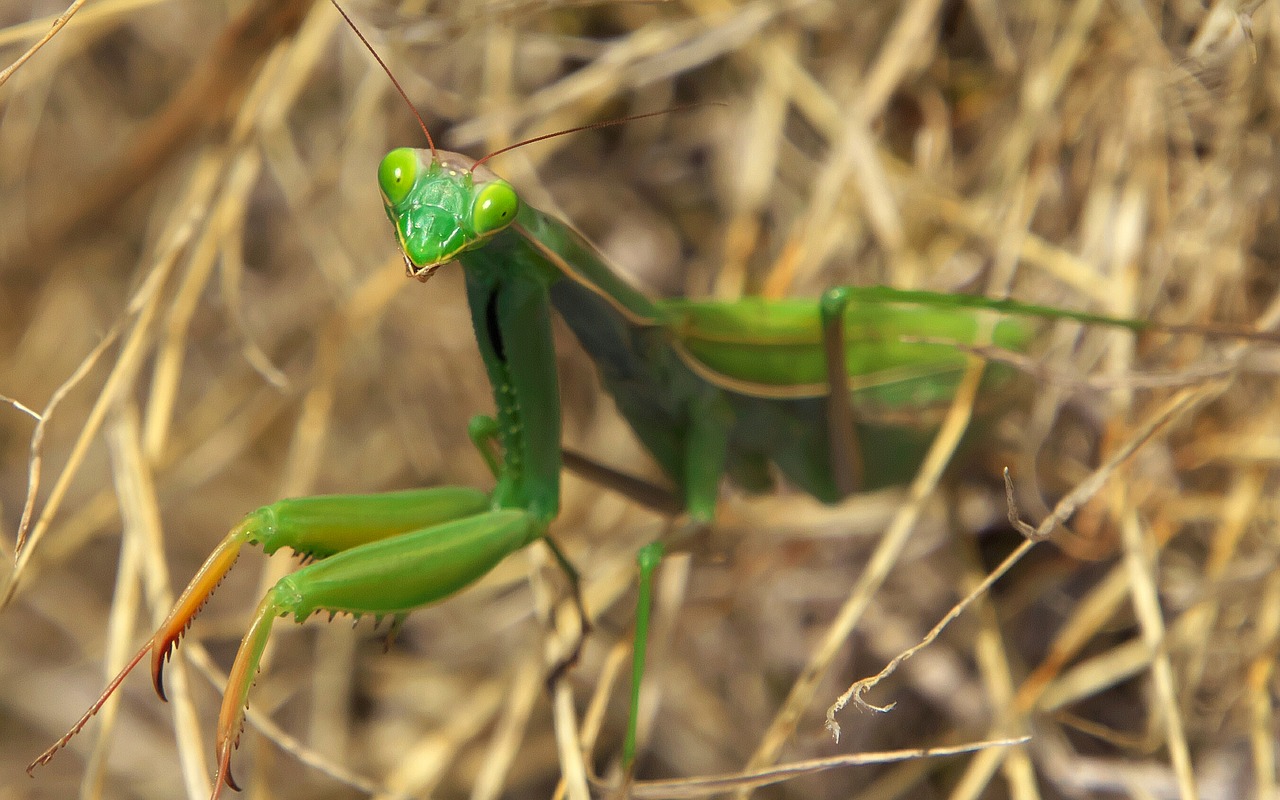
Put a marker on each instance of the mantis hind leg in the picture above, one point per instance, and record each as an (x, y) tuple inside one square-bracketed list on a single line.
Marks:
[(846, 464), (706, 447), (648, 559), (706, 460)]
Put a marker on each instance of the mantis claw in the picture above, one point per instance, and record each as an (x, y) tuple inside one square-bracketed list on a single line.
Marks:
[(193, 598), (223, 776), (161, 645), (235, 700)]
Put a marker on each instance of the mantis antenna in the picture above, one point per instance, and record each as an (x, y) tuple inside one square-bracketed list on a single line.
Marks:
[(589, 127), (430, 142)]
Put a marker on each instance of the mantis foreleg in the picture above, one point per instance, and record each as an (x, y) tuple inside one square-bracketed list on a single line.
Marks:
[(323, 528), (390, 576)]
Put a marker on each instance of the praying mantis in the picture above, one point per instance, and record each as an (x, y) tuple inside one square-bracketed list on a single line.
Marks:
[(809, 389)]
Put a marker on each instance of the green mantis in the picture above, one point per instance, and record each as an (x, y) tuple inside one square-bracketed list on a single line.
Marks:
[(710, 389)]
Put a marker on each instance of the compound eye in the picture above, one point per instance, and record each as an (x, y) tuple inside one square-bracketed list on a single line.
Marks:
[(396, 174), (495, 207)]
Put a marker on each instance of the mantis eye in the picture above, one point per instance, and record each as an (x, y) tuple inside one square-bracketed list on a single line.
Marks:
[(495, 206), (396, 174)]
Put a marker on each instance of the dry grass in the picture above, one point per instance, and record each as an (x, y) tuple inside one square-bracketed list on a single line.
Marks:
[(196, 182)]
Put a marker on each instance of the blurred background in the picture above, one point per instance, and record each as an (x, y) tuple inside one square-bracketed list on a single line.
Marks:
[(201, 297)]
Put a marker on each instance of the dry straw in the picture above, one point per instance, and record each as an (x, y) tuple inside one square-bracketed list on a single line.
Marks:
[(201, 302)]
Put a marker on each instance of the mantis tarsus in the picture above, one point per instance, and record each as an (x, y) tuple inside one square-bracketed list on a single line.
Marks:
[(709, 389)]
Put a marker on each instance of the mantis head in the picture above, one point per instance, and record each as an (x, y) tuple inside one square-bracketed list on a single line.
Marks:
[(440, 206)]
